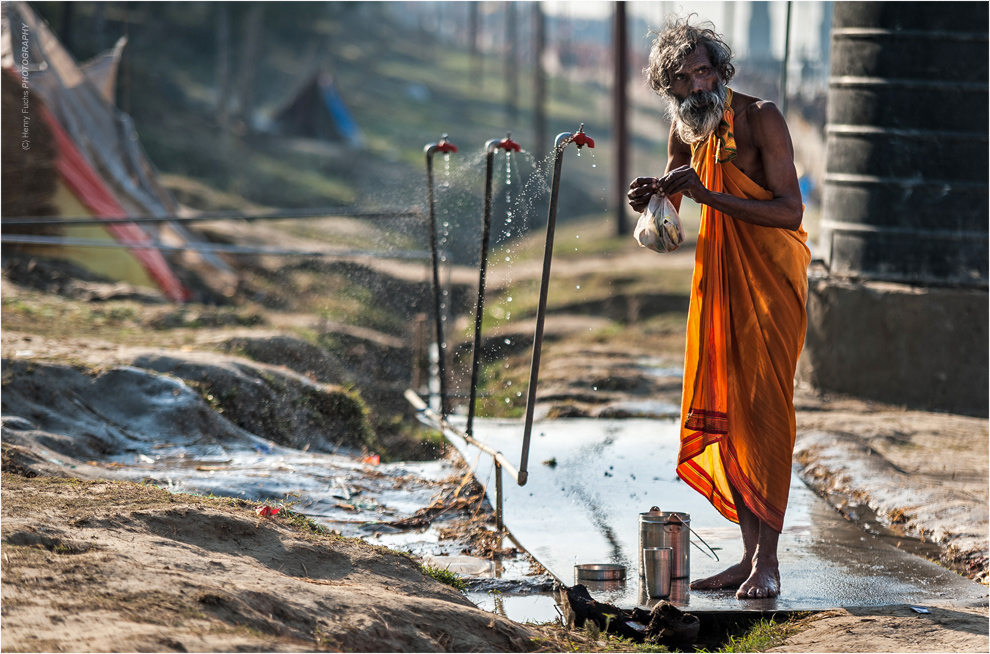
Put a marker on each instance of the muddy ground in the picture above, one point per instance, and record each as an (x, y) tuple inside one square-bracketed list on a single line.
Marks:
[(280, 362)]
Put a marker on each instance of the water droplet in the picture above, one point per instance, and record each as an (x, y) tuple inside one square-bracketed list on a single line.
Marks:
[(507, 258), (579, 287), (594, 165), (506, 400), (507, 341), (509, 299), (518, 393), (594, 388)]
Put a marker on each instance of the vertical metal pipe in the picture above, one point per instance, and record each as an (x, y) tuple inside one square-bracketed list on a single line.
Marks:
[(620, 115), (490, 148), (441, 368), (534, 373), (499, 522), (787, 56)]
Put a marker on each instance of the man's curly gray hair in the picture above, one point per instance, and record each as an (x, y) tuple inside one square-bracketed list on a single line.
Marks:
[(677, 40)]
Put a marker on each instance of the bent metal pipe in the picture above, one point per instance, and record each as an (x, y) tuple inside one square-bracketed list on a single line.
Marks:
[(580, 139)]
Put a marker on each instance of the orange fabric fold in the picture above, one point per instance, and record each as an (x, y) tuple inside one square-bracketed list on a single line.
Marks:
[(746, 327)]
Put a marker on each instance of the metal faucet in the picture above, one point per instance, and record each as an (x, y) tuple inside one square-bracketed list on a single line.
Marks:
[(491, 148), (446, 147)]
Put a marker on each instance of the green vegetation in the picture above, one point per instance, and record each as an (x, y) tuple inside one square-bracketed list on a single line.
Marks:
[(746, 636), (444, 576), (761, 636)]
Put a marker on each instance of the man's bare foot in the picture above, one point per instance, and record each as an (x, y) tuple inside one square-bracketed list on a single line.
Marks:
[(763, 582), (731, 577)]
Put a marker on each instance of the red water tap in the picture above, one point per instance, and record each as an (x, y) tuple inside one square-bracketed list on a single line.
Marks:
[(446, 146), (581, 139), (508, 144)]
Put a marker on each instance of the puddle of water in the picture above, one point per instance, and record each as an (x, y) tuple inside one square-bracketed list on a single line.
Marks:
[(336, 491), (584, 508), (645, 409), (521, 608), (660, 368)]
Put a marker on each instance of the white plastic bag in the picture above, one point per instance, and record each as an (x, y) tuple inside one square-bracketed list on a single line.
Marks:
[(659, 227)]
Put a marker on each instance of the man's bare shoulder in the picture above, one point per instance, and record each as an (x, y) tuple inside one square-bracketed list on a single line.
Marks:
[(762, 118), (754, 109)]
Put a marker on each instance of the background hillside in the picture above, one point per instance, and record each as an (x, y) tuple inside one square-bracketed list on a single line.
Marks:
[(404, 84)]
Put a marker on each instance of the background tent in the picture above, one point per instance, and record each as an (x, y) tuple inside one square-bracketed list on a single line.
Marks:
[(317, 111), (102, 171)]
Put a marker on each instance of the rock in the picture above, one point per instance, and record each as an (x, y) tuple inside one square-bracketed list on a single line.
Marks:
[(670, 626)]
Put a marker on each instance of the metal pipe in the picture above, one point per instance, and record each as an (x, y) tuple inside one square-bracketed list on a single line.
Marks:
[(580, 139), (448, 430), (787, 56), (491, 148), (446, 147), (499, 523), (283, 214), (65, 241)]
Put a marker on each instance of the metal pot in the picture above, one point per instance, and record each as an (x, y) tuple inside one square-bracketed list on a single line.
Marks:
[(667, 529)]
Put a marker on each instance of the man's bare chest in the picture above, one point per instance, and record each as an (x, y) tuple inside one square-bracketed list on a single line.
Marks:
[(748, 159)]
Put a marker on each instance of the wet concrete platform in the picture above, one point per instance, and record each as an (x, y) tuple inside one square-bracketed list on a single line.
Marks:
[(590, 479)]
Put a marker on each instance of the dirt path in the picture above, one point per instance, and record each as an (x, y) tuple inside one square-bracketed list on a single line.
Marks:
[(113, 566)]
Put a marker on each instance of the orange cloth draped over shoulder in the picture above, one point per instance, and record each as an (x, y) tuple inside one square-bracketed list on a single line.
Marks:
[(746, 326)]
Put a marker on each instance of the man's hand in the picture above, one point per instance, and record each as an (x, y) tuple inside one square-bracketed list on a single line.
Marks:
[(684, 180), (641, 190)]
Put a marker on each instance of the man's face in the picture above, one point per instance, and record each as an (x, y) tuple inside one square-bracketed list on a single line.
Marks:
[(697, 96), (695, 75)]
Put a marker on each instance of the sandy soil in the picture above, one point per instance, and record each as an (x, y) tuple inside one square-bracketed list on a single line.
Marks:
[(113, 566), (891, 629)]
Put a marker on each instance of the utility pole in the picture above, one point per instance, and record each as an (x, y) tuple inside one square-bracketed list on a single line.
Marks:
[(539, 81), (783, 68), (619, 111), (476, 61), (511, 63)]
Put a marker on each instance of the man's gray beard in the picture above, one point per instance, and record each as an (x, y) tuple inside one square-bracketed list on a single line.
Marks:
[(697, 116)]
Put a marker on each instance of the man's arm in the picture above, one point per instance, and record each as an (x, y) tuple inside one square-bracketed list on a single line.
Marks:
[(771, 137), (642, 188)]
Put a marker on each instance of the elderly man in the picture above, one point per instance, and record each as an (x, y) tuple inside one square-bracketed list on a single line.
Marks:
[(732, 154)]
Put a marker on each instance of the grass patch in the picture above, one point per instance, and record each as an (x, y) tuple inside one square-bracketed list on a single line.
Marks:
[(746, 635), (444, 576), (762, 635)]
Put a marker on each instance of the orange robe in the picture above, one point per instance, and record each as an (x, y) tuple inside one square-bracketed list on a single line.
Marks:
[(746, 326)]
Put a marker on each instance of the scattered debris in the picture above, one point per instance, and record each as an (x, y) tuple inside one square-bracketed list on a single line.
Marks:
[(266, 511), (664, 625)]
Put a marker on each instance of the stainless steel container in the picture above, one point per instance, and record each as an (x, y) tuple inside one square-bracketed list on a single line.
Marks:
[(599, 572), (656, 569), (667, 529)]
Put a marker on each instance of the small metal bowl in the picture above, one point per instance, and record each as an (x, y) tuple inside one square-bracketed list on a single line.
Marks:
[(599, 571)]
